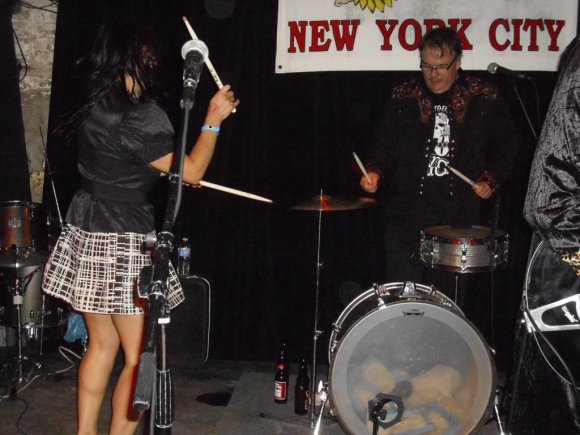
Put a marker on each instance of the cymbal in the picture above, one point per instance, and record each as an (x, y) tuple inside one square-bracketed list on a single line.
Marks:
[(329, 203), (22, 258)]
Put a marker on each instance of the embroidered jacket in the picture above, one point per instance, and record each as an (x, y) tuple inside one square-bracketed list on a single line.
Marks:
[(481, 144)]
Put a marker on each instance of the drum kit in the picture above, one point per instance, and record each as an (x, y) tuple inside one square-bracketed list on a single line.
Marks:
[(27, 316), (402, 356)]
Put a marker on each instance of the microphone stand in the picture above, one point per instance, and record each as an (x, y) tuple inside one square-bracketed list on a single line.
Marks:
[(154, 380), (492, 260), (525, 112)]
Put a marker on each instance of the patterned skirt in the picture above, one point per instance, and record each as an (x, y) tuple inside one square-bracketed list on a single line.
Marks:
[(99, 272)]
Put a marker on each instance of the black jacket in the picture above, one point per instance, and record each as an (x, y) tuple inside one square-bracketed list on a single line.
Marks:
[(482, 147)]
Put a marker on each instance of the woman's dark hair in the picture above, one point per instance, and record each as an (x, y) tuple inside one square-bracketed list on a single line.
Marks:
[(442, 38), (120, 48)]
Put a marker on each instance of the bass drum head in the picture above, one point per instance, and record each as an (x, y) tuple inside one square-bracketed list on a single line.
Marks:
[(434, 360)]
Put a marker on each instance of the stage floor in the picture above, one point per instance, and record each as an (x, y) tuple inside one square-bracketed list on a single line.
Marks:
[(219, 397)]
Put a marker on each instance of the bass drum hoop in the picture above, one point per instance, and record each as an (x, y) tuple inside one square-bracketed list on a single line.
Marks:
[(392, 289), (340, 369)]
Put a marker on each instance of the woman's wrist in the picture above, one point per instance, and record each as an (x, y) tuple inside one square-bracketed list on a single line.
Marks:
[(213, 120), (210, 127)]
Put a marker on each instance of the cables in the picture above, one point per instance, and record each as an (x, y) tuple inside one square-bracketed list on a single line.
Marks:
[(9, 393), (45, 8), (21, 54), (52, 3)]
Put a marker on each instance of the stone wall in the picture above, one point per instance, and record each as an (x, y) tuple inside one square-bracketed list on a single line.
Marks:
[(34, 44)]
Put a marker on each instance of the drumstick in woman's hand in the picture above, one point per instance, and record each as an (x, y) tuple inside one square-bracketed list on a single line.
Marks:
[(208, 63)]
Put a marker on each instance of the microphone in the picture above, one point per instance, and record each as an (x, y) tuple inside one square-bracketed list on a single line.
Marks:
[(494, 68), (194, 53)]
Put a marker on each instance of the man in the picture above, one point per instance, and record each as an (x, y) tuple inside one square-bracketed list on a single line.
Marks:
[(544, 398), (445, 117), (552, 205)]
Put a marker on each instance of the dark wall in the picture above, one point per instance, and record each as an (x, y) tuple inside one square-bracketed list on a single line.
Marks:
[(292, 136)]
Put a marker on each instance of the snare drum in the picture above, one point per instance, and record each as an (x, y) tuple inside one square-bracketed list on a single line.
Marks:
[(410, 344), (463, 250)]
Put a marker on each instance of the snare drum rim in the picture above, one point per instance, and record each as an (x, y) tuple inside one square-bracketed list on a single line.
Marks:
[(34, 208), (21, 204), (430, 234), (471, 327)]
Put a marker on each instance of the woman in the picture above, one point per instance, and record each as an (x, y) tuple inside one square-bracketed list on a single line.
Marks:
[(125, 141)]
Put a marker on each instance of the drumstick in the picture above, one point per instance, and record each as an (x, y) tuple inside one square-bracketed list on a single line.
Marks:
[(460, 175), (234, 191), (208, 63), (362, 168)]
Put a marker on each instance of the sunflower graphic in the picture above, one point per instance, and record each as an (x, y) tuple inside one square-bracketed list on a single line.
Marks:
[(371, 4)]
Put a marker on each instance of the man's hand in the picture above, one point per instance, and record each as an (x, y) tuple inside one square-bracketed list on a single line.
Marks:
[(482, 190), (373, 185)]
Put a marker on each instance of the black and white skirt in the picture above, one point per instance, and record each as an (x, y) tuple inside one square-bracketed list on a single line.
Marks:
[(99, 272)]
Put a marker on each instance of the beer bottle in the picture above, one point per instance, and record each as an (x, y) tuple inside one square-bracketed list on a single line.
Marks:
[(281, 377), (302, 390)]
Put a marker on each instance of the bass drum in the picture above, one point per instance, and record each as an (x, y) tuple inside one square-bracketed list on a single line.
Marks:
[(411, 359)]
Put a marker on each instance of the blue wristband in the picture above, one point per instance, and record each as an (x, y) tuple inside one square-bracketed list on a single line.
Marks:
[(210, 128)]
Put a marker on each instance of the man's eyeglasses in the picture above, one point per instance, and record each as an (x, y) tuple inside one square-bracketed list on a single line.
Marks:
[(426, 66)]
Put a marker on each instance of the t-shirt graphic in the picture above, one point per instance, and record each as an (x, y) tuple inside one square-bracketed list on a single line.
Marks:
[(439, 151)]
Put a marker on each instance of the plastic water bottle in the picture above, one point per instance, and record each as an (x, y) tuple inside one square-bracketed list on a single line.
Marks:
[(183, 258)]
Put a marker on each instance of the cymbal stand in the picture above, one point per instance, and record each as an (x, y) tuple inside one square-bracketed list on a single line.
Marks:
[(17, 300), (317, 332), (323, 390), (43, 313), (60, 221), (18, 290)]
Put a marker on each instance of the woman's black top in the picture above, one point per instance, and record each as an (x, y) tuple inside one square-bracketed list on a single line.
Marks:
[(117, 141)]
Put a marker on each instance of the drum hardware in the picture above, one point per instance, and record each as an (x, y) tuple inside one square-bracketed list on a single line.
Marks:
[(497, 414), (323, 394), (434, 369), (22, 257), (471, 249), (385, 418), (18, 288), (50, 173), (22, 225), (378, 295), (324, 203), (328, 203)]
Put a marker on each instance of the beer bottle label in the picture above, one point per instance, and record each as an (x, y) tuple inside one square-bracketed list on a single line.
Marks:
[(280, 390)]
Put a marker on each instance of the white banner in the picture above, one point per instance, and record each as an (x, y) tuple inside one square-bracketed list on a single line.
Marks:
[(359, 35)]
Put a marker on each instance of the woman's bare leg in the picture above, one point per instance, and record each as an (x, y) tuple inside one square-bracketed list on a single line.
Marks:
[(95, 370), (125, 418)]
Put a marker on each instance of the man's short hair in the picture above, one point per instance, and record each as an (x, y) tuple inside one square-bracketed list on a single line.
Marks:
[(442, 38)]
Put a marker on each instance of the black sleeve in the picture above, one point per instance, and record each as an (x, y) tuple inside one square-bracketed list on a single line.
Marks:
[(147, 132)]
